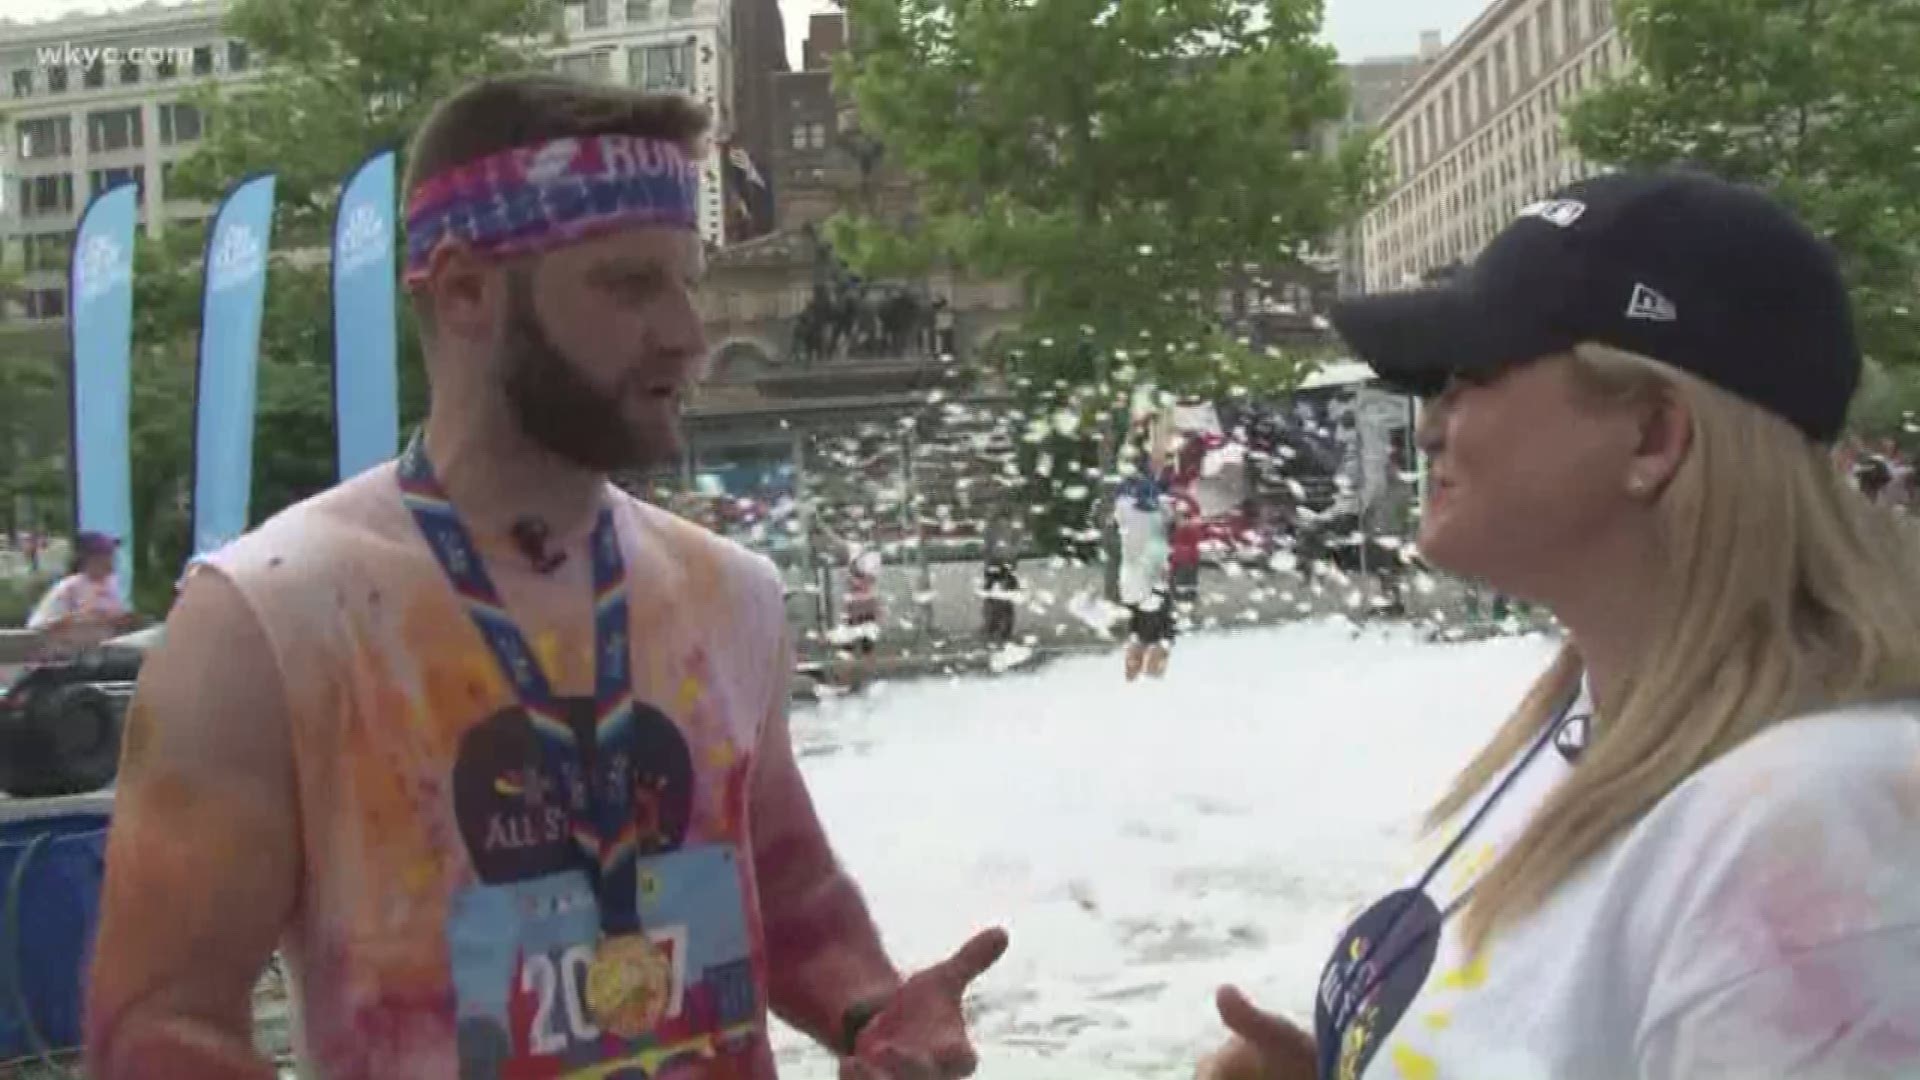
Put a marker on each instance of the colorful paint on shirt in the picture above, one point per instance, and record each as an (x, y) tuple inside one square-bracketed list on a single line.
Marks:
[(448, 927)]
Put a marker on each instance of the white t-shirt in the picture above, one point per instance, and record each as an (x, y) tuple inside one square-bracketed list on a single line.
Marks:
[(1144, 551), (78, 594), (1763, 920)]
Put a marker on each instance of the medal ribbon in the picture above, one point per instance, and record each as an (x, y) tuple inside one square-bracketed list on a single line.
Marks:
[(596, 781), (1357, 984)]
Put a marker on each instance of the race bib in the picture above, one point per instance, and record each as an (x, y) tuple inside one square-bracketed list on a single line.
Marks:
[(523, 956), (538, 991)]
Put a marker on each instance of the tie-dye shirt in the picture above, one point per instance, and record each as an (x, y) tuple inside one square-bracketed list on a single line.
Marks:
[(1761, 921), (445, 928)]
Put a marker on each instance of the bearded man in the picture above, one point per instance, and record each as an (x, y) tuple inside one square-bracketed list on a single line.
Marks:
[(494, 753)]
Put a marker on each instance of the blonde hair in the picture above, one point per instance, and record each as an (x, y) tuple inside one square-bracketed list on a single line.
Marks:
[(1786, 592)]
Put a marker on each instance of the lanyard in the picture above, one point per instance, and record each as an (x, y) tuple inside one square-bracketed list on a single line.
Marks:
[(1354, 987), (595, 779)]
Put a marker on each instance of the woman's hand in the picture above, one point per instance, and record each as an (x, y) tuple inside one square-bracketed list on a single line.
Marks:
[(1262, 1046)]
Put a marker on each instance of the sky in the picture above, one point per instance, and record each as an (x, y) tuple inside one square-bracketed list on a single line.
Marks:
[(1359, 29)]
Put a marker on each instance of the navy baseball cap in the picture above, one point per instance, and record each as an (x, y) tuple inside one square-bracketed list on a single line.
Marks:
[(1713, 278), (95, 543)]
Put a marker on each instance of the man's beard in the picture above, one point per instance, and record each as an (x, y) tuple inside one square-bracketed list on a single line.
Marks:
[(562, 410)]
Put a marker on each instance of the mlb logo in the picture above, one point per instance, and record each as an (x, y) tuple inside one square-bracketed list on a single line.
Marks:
[(1560, 212)]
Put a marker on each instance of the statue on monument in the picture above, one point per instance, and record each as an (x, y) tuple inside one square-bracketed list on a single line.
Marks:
[(851, 318)]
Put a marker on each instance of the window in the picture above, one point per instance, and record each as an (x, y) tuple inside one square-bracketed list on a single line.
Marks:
[(23, 83), (679, 9), (46, 252), (1600, 16), (639, 11), (203, 59), (1503, 71), (56, 80), (596, 14), (166, 68), (47, 137), (237, 56), (1569, 16), (102, 179), (46, 303), (810, 136), (95, 76), (661, 67), (1480, 91), (46, 194), (577, 66), (129, 73), (179, 123), (116, 129)]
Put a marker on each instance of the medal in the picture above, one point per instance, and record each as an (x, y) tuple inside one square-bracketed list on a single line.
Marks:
[(629, 980), (628, 985)]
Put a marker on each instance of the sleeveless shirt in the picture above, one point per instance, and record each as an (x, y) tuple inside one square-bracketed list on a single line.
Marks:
[(445, 926)]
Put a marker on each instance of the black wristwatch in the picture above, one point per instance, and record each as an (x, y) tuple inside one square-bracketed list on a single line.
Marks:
[(855, 1020)]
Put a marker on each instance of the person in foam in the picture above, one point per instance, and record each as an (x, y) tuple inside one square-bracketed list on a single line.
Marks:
[(496, 754)]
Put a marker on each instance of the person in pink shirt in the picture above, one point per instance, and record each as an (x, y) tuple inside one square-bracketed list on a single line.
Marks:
[(493, 752)]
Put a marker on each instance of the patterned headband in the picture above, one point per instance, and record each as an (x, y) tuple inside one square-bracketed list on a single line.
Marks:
[(556, 193)]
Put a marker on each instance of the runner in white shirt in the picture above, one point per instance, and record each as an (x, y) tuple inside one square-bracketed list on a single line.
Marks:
[(85, 607), (1694, 850)]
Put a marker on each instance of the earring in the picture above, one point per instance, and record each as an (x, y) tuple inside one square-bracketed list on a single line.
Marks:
[(1637, 485)]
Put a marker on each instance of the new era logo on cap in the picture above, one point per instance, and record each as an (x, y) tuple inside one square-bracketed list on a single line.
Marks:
[(1651, 306)]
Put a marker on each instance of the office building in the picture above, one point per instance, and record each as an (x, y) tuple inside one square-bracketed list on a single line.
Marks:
[(1373, 86), (92, 100), (80, 119), (1478, 136), (823, 161)]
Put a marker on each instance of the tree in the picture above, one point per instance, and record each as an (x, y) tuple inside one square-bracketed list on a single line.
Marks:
[(1811, 99), (345, 77), (34, 417), (1888, 405), (1126, 161), (33, 426)]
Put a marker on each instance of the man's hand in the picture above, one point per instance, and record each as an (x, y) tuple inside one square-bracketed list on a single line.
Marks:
[(1263, 1046), (921, 1033)]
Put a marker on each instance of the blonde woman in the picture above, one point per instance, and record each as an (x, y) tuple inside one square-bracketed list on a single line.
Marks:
[(1694, 849)]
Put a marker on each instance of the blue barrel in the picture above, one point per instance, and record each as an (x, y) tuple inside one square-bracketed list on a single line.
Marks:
[(52, 857)]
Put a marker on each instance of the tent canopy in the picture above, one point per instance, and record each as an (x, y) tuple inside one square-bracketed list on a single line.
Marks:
[(1338, 373)]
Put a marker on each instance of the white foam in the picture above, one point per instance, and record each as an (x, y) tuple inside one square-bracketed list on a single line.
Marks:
[(1145, 843)]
